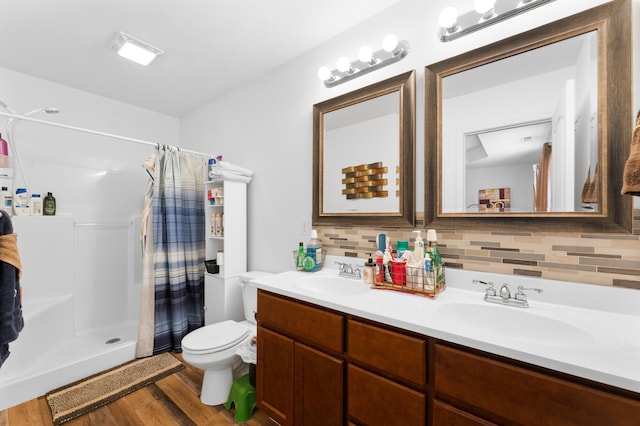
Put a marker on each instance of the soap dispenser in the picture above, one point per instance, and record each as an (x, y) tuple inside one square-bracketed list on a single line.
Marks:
[(369, 271), (418, 247)]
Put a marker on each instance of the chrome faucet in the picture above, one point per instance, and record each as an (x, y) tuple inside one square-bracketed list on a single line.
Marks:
[(504, 298), (348, 271)]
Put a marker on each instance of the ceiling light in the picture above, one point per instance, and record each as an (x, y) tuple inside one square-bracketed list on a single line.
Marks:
[(135, 50), (393, 50), (484, 13)]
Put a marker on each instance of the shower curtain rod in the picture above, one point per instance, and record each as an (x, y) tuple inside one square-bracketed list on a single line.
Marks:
[(95, 132)]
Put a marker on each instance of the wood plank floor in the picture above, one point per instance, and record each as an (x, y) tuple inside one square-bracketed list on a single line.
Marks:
[(174, 400)]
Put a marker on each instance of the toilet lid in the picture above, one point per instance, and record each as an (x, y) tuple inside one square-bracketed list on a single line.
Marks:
[(215, 337)]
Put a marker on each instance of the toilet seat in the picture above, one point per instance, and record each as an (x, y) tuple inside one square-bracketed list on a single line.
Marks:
[(215, 337)]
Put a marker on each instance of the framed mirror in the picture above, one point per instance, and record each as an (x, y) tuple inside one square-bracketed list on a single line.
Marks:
[(533, 131), (364, 156)]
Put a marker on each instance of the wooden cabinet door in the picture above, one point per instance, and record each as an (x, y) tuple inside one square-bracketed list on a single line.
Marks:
[(319, 383), (274, 375)]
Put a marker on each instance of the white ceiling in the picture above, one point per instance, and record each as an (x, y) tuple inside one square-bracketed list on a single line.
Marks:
[(211, 45)]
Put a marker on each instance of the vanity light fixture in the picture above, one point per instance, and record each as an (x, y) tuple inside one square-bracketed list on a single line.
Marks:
[(393, 50), (134, 49), (484, 13)]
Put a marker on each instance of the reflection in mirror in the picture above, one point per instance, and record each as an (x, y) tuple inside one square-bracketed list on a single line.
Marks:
[(540, 147), (363, 155), (366, 176), (574, 181)]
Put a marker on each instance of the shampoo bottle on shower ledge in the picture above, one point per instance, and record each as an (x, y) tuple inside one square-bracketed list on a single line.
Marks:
[(49, 208)]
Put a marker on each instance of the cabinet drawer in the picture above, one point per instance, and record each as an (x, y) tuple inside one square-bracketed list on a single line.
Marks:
[(373, 400), (397, 354), (313, 325), (518, 395), (446, 415)]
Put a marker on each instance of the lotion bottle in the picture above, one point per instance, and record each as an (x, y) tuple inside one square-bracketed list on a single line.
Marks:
[(418, 247)]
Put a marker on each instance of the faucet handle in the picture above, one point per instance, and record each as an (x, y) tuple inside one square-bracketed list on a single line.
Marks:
[(520, 295), (490, 291), (357, 272)]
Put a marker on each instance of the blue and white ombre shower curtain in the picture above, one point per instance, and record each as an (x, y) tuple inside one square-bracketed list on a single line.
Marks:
[(178, 247)]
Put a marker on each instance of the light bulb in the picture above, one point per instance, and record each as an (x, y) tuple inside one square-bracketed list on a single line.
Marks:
[(448, 18), (390, 43), (324, 73), (343, 64), (484, 6), (365, 54)]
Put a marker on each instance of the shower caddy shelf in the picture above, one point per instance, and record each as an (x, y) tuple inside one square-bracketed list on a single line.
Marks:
[(232, 244)]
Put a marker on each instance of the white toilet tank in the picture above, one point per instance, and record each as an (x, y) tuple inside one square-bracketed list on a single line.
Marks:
[(250, 294)]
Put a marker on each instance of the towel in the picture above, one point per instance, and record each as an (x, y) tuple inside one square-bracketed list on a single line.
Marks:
[(586, 188), (9, 252), (229, 175), (631, 176), (230, 167), (11, 321)]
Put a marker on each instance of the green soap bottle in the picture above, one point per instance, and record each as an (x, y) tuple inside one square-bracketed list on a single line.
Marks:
[(49, 205), (300, 257)]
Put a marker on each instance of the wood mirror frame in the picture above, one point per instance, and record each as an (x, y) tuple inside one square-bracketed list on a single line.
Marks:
[(612, 21), (404, 85)]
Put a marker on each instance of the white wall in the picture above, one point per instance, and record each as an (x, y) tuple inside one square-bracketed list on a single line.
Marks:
[(96, 180), (266, 125)]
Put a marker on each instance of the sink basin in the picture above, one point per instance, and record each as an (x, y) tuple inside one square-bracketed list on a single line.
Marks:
[(514, 323), (327, 284)]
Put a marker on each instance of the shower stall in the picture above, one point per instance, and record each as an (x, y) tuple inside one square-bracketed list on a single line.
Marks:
[(79, 305)]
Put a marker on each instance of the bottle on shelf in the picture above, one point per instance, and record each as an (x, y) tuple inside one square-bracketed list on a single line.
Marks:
[(4, 153), (36, 205), (20, 202), (49, 208), (7, 200)]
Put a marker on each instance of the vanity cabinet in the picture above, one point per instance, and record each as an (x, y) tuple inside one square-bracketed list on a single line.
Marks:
[(386, 377), (320, 366), (470, 387), (301, 367)]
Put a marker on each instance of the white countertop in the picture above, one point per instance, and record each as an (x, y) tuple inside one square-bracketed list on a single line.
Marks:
[(585, 330)]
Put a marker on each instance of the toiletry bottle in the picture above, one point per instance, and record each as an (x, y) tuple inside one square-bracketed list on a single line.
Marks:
[(418, 247), (36, 205), (20, 202), (210, 168), (7, 200), (379, 269), (402, 247), (4, 153), (369, 271), (314, 249), (432, 248), (300, 257), (49, 208), (386, 263)]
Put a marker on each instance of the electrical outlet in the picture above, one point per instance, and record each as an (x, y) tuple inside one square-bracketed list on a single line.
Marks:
[(306, 227)]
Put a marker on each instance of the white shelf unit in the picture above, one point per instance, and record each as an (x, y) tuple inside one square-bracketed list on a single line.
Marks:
[(223, 296)]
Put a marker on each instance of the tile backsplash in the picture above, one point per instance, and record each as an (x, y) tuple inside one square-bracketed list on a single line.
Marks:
[(604, 259)]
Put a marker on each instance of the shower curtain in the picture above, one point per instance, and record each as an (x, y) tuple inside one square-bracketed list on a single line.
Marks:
[(178, 234)]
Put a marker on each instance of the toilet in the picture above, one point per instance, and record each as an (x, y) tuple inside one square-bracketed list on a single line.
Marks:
[(212, 348)]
